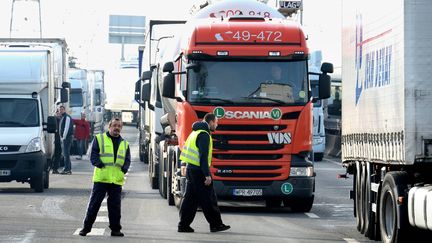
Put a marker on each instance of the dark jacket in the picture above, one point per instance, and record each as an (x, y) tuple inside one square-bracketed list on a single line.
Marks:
[(203, 143), (66, 126), (95, 153)]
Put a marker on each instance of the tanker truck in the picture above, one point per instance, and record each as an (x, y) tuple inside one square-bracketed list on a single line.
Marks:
[(386, 121), (221, 63)]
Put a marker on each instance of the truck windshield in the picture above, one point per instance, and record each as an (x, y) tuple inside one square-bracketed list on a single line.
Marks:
[(19, 113), (23, 66), (248, 82), (76, 98)]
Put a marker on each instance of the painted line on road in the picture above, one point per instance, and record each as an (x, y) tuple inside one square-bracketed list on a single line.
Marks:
[(350, 240), (28, 237), (333, 161), (93, 232), (104, 201), (103, 209), (51, 207), (103, 219), (312, 215)]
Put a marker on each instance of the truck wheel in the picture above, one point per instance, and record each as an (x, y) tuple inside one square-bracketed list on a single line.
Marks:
[(170, 175), (154, 183), (371, 226), (318, 156), (46, 179), (359, 198), (390, 213), (300, 204), (162, 180), (273, 203), (37, 182)]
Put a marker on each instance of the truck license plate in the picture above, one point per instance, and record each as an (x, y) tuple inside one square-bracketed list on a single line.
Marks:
[(248, 192), (4, 172)]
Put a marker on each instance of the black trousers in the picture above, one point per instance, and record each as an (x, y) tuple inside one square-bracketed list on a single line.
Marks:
[(197, 193), (114, 205)]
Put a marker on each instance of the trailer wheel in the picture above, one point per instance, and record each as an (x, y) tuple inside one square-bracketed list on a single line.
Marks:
[(359, 198), (393, 222), (371, 226), (170, 175)]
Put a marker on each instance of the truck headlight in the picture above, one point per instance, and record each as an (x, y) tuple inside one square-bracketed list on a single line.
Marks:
[(301, 171), (318, 140), (34, 145)]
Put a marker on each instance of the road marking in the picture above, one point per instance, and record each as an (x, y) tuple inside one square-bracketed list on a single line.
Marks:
[(312, 215), (104, 201), (93, 232), (333, 161), (51, 208), (103, 209), (350, 240), (103, 219), (28, 237)]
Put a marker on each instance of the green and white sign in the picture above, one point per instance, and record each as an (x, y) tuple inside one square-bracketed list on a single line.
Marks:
[(274, 114), (287, 188)]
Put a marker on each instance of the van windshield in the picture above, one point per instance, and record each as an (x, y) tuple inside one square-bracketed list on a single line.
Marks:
[(19, 113)]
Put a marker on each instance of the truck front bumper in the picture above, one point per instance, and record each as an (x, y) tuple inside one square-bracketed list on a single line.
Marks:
[(21, 167)]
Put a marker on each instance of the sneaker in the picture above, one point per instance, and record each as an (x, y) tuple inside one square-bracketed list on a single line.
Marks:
[(84, 232), (187, 229), (67, 172), (55, 172), (221, 227), (117, 233)]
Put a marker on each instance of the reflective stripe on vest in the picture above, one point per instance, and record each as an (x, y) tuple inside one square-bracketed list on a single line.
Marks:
[(190, 152), (111, 173)]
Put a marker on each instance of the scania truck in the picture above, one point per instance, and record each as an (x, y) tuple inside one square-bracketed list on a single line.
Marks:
[(386, 118), (32, 84), (244, 62)]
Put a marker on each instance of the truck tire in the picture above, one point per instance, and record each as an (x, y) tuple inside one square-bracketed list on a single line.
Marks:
[(170, 174), (46, 179), (359, 197), (162, 179), (154, 183), (371, 226), (37, 182), (299, 204), (390, 214), (318, 156)]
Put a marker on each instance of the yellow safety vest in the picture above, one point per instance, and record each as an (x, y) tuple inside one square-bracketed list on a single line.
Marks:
[(190, 152), (111, 172)]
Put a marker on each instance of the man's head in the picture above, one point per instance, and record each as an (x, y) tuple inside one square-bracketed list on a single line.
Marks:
[(211, 120), (57, 113), (276, 72), (62, 109), (115, 126)]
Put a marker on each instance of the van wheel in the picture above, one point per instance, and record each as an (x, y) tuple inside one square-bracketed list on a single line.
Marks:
[(37, 182), (46, 179)]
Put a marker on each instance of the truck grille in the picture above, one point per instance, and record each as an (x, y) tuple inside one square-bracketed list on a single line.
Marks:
[(255, 147), (247, 156)]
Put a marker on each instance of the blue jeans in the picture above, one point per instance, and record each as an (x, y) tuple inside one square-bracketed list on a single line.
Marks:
[(66, 153), (81, 147)]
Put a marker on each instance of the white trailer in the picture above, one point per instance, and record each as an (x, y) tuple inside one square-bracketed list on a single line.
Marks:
[(386, 118)]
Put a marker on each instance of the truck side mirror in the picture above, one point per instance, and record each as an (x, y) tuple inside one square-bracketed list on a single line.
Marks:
[(168, 67), (327, 67), (196, 67), (146, 75), (64, 95), (138, 92), (66, 85), (168, 89), (145, 91), (324, 86), (51, 125)]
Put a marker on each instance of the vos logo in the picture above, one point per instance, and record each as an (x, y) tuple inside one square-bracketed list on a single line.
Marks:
[(279, 138)]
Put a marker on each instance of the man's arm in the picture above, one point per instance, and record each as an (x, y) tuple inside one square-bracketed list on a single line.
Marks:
[(127, 161), (94, 156), (67, 121), (202, 142)]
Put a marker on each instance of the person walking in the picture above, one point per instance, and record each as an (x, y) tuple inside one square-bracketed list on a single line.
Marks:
[(197, 154), (82, 133), (66, 132), (110, 155), (57, 145)]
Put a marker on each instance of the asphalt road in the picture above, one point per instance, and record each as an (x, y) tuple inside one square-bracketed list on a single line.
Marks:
[(56, 215)]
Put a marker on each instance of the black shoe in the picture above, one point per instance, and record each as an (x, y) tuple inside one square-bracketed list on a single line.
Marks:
[(221, 227), (84, 232), (55, 172), (117, 233), (67, 172), (187, 229)]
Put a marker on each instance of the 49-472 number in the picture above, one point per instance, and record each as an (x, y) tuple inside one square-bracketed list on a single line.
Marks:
[(268, 35)]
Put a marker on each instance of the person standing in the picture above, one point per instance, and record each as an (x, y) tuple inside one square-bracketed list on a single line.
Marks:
[(57, 145), (197, 154), (82, 133), (110, 155), (66, 132)]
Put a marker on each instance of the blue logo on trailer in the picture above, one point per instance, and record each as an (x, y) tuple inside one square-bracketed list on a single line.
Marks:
[(358, 53)]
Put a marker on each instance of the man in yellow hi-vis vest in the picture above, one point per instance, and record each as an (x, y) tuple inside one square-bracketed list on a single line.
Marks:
[(196, 155), (111, 157)]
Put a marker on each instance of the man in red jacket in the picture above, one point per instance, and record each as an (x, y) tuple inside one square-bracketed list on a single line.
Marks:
[(82, 133)]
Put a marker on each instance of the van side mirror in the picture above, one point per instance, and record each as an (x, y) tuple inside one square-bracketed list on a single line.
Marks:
[(64, 95), (51, 125), (146, 75), (168, 67), (168, 89), (327, 67), (324, 86)]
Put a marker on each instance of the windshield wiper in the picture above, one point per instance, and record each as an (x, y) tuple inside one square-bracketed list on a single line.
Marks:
[(15, 123), (281, 102), (217, 99)]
